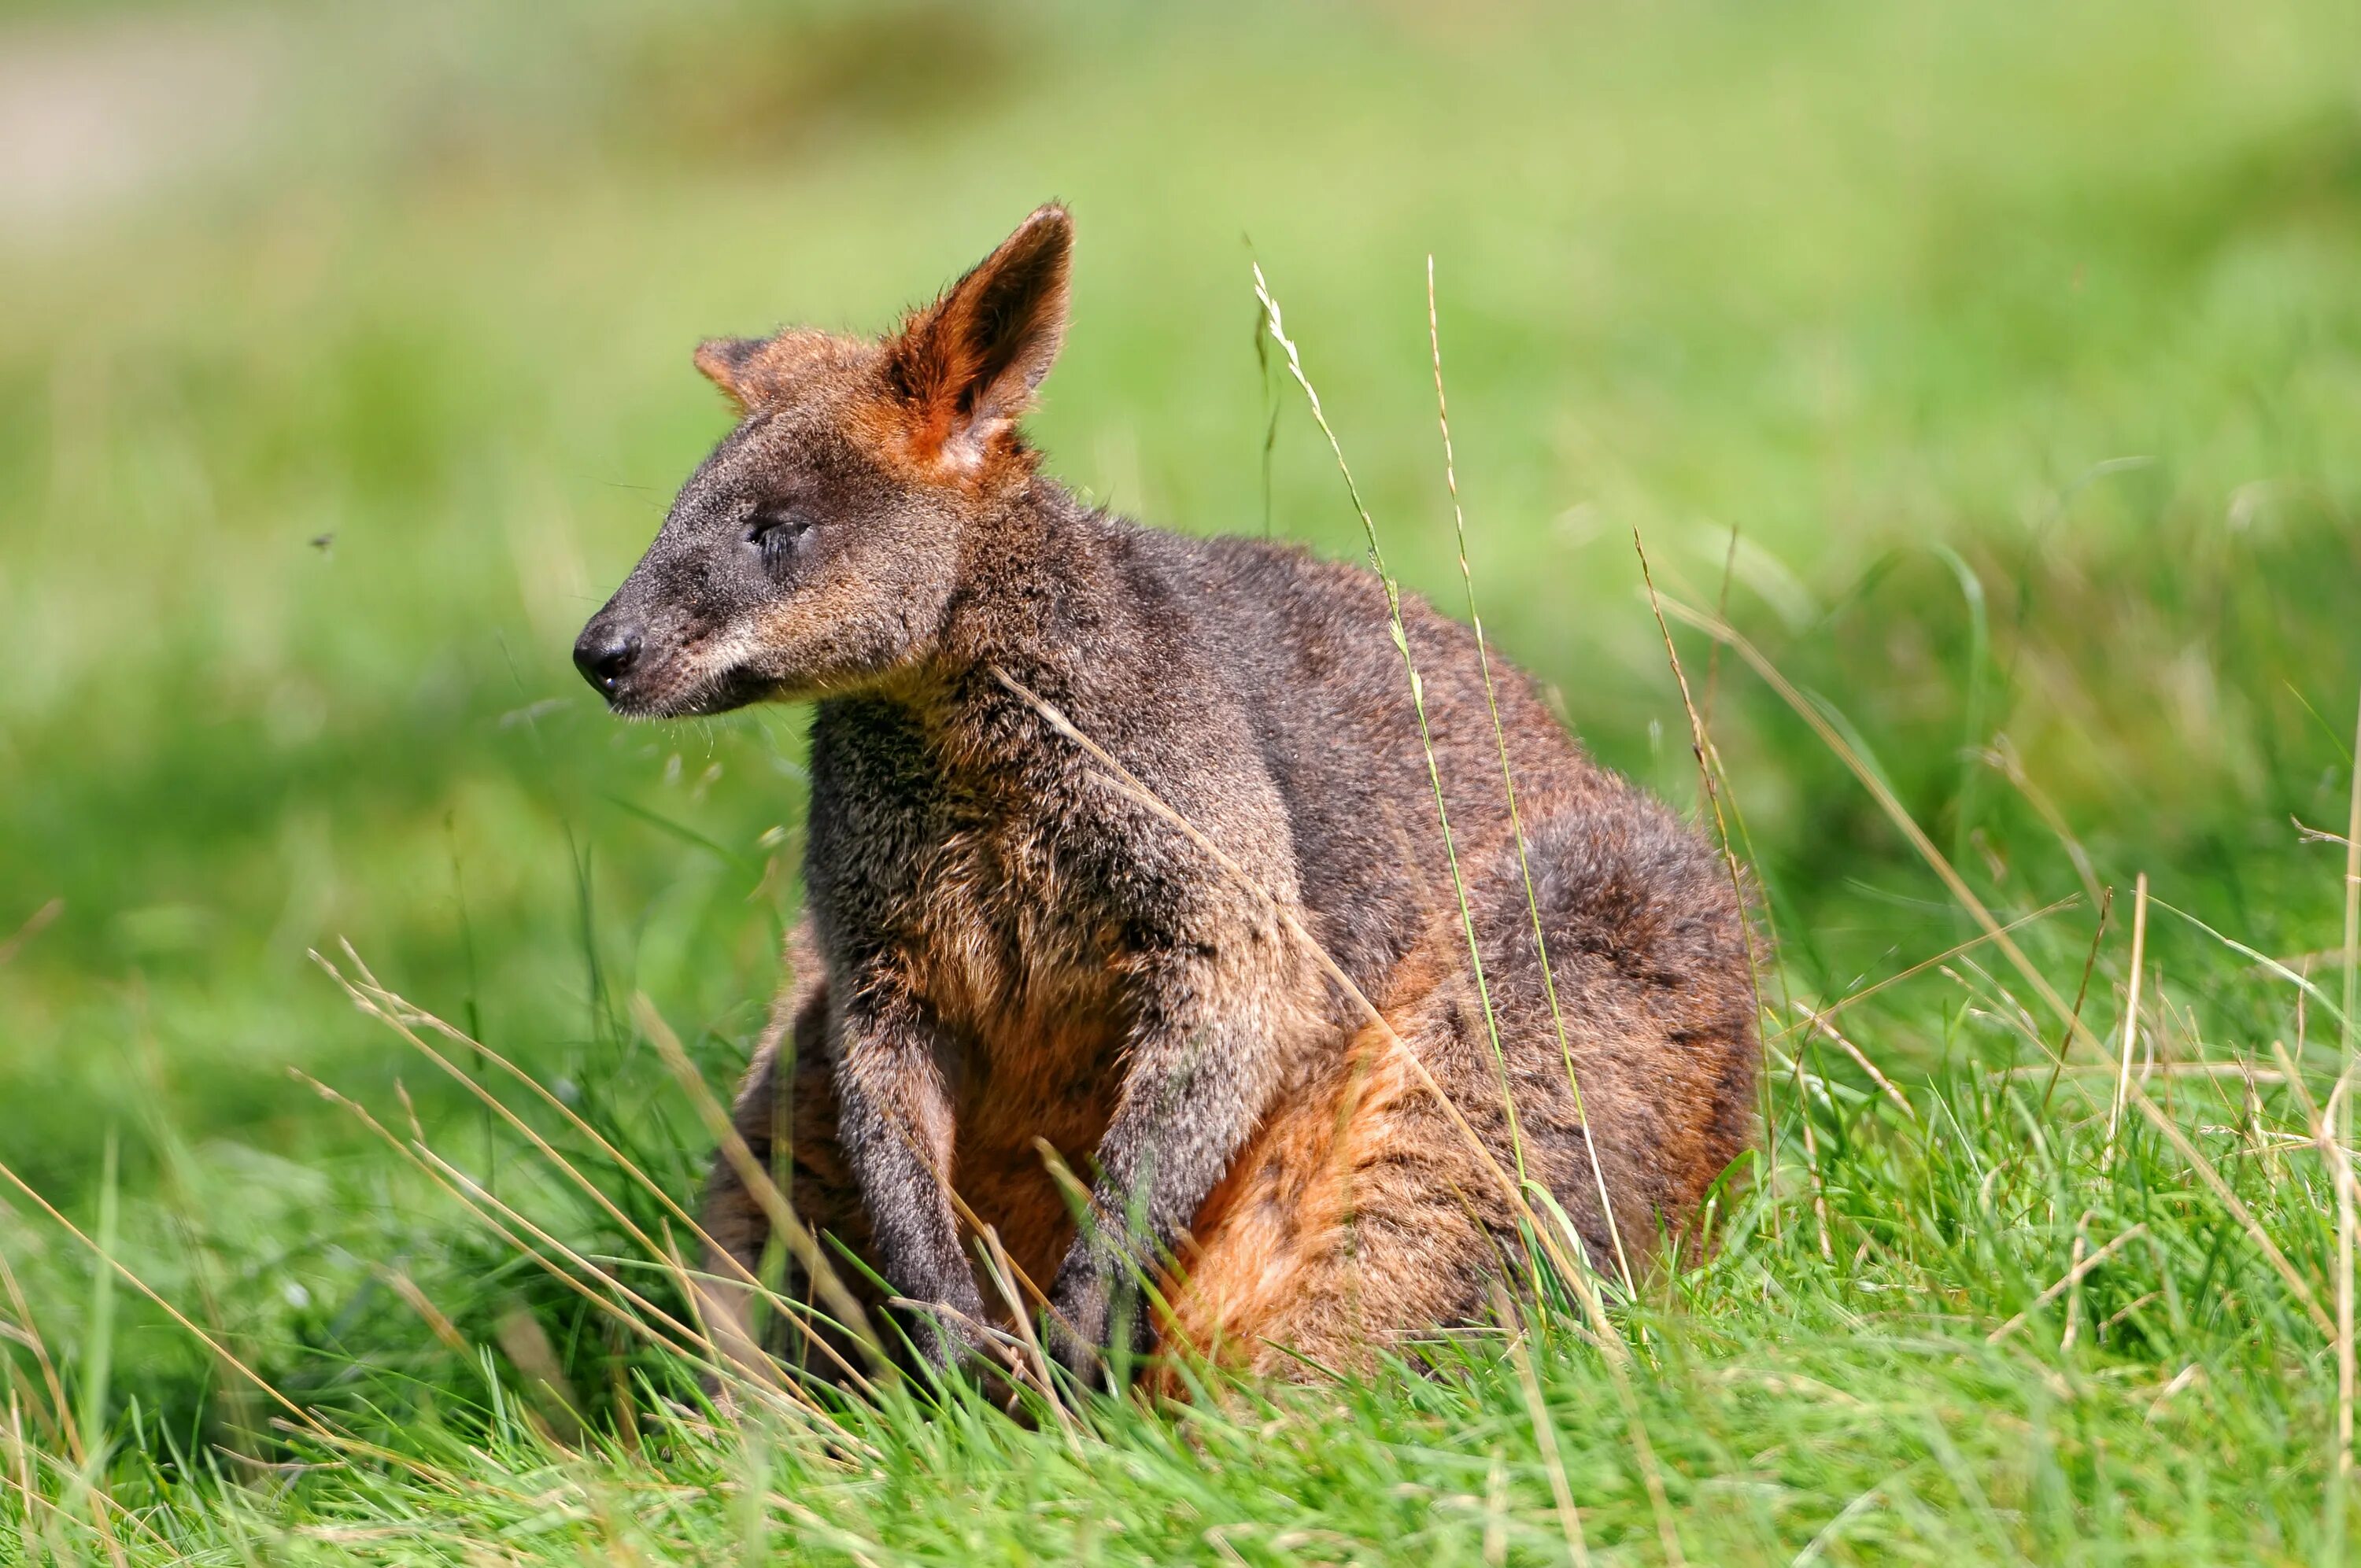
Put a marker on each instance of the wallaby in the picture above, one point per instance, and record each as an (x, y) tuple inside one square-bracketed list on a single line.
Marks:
[(1234, 1020)]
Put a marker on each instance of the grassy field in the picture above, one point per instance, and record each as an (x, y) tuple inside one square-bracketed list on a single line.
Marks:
[(1998, 368)]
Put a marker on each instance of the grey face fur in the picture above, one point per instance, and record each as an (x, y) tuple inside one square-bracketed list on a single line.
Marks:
[(792, 565), (814, 553)]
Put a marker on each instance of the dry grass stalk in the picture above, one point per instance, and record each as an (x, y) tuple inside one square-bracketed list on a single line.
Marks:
[(1893, 807), (437, 1322), (461, 1185), (1721, 608), (2131, 1016), (35, 924), (2165, 1070), (1668, 1534), (1277, 330), (1812, 1161), (526, 1345), (2071, 1278), (399, 1014), (691, 1342), (1708, 767), (774, 1204), (2002, 754), (1508, 784), (2074, 1294), (21, 1448), (450, 1182), (2345, 1196), (1922, 966), (2239, 1210), (309, 1422), (1035, 1359), (2081, 994), (441, 1479), (29, 1334), (1569, 1518), (1819, 1023)]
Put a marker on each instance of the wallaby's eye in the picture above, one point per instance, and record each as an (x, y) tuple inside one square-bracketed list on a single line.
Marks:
[(776, 533)]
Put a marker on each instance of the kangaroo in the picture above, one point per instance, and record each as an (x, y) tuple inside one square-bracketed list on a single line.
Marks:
[(1259, 1039)]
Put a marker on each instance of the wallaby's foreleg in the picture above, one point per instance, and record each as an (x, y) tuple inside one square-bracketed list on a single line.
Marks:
[(895, 1116), (785, 1112), (734, 1224), (1208, 1038)]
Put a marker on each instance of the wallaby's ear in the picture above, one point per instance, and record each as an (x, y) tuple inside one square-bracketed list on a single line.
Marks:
[(967, 366), (727, 363)]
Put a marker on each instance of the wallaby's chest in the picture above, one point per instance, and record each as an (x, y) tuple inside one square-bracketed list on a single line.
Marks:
[(1025, 974), (972, 887), (1010, 946), (976, 902)]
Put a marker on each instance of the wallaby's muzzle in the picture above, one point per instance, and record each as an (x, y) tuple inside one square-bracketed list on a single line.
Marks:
[(605, 652)]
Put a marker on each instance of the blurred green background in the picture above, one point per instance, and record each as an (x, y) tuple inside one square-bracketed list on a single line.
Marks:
[(344, 369)]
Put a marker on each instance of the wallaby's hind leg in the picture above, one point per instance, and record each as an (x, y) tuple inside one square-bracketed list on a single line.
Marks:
[(1648, 947), (1358, 1215), (792, 1103)]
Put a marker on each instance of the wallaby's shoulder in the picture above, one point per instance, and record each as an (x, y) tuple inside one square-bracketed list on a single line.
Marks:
[(1257, 606), (1312, 638)]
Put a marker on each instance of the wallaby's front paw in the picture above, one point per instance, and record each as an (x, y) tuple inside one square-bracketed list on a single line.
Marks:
[(949, 1340), (1092, 1306), (1076, 1331)]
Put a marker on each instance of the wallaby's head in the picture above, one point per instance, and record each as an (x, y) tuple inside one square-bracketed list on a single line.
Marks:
[(817, 548)]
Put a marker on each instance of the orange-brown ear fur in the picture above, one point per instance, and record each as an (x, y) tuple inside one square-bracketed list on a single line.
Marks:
[(967, 366), (726, 363)]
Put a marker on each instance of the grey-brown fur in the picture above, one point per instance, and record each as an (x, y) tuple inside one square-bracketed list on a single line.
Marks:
[(1005, 947)]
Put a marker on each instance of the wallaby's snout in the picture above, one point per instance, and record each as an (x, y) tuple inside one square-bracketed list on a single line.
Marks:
[(679, 638), (605, 652)]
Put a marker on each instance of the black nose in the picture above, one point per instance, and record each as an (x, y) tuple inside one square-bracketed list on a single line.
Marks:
[(606, 654)]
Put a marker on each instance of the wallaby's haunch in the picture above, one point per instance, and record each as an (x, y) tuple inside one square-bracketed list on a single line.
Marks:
[(1011, 961)]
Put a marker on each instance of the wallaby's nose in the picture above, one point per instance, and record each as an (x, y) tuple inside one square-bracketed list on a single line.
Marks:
[(606, 654)]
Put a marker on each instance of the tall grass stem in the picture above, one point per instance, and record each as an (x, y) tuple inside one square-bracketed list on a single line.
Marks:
[(1508, 788)]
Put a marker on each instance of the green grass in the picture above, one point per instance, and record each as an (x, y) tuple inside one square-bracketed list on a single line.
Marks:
[(2019, 349)]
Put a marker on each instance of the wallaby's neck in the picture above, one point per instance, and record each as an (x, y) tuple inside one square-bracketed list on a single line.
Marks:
[(1037, 589), (1034, 575)]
